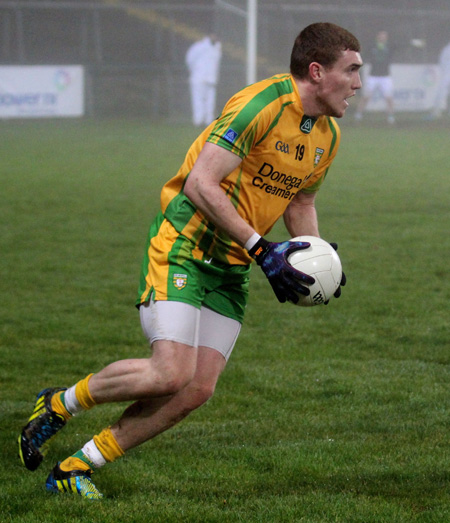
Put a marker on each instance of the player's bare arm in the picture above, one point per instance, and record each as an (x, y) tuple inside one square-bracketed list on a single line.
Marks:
[(203, 188), (300, 217)]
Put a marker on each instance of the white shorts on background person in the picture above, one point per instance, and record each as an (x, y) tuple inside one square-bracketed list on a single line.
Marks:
[(383, 84)]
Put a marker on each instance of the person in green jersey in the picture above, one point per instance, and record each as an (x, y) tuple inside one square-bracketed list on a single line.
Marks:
[(380, 78), (265, 157)]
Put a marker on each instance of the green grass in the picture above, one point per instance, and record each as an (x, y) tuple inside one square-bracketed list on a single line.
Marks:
[(329, 414)]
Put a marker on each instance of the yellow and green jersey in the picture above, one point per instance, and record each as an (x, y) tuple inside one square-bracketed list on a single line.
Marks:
[(283, 151)]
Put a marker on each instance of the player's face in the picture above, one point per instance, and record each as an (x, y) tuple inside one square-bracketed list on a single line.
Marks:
[(338, 83)]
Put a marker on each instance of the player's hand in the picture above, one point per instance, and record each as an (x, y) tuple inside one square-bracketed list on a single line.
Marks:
[(338, 291), (285, 280)]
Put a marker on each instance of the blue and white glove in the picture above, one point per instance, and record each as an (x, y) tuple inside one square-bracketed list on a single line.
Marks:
[(285, 280)]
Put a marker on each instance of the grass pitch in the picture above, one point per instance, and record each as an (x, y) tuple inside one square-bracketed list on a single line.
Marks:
[(329, 414)]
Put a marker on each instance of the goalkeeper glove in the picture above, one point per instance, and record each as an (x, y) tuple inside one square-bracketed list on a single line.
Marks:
[(286, 281)]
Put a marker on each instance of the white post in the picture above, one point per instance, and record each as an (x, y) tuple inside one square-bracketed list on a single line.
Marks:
[(252, 39)]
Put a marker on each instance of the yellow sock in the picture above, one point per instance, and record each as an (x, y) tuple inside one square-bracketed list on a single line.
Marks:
[(107, 445), (83, 395), (74, 463), (59, 407)]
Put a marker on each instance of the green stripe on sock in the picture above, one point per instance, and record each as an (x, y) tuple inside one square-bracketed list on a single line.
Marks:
[(83, 457)]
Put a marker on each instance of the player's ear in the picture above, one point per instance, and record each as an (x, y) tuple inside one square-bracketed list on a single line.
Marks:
[(315, 71)]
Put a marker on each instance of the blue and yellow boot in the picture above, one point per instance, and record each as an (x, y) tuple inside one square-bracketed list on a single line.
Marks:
[(72, 481), (43, 424)]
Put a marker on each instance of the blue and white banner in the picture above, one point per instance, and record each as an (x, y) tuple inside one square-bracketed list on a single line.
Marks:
[(41, 91), (415, 88)]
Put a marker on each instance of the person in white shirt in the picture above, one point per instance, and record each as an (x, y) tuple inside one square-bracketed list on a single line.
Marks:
[(203, 61)]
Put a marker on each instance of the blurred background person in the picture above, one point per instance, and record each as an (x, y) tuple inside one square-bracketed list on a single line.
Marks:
[(203, 61), (444, 83), (379, 78)]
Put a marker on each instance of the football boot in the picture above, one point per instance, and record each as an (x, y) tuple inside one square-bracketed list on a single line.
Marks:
[(43, 424), (72, 481)]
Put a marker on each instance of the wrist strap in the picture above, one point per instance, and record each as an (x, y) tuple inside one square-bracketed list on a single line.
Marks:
[(258, 249), (251, 242)]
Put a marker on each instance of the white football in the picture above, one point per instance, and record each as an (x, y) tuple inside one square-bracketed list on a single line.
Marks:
[(321, 262)]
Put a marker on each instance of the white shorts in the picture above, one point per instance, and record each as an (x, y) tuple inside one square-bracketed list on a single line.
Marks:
[(184, 323), (383, 84)]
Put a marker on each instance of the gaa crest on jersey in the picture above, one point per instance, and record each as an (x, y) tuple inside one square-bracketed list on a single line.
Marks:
[(179, 281), (318, 155), (230, 135)]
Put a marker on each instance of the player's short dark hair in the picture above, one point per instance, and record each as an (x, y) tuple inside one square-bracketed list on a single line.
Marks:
[(322, 43)]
